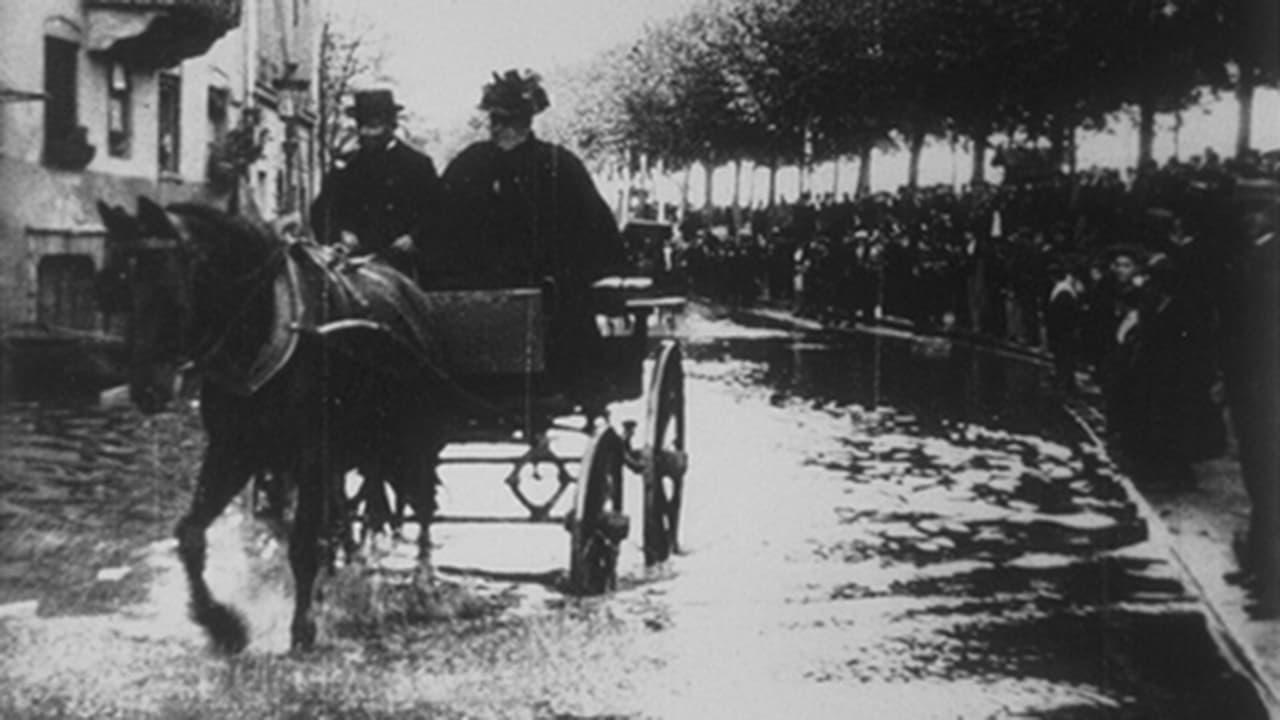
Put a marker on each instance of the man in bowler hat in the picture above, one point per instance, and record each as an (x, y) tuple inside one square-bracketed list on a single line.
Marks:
[(381, 199)]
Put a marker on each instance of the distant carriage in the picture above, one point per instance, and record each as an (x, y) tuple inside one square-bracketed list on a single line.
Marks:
[(314, 368)]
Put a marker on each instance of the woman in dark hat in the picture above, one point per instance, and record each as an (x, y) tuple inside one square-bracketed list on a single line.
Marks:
[(529, 212), (1113, 323), (382, 199)]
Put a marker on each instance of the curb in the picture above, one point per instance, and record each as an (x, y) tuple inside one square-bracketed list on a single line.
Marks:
[(1239, 654)]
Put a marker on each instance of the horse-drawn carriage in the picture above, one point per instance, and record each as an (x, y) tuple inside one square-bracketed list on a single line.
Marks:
[(314, 368), (497, 354)]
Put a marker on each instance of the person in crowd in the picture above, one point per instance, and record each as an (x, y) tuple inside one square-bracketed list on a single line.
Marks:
[(1173, 373), (1064, 319), (1249, 294), (381, 199), (1119, 297), (522, 211)]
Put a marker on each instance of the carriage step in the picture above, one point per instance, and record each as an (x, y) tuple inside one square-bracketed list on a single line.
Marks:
[(499, 520), (501, 460)]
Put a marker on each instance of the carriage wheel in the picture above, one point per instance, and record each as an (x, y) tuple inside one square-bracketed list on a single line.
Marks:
[(598, 526), (664, 472)]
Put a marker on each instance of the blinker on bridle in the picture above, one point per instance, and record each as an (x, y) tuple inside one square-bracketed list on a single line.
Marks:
[(205, 347), (153, 243)]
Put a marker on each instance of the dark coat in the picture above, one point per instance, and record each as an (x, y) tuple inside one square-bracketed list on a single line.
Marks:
[(378, 196), (1173, 372), (523, 215)]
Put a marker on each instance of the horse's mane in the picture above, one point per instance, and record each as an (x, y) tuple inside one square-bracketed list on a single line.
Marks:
[(243, 231)]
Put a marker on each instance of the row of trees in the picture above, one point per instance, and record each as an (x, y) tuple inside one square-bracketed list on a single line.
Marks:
[(794, 82)]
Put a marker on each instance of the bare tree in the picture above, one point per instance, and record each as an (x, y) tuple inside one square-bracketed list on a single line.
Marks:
[(348, 56)]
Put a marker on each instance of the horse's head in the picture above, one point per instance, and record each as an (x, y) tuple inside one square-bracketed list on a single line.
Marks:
[(150, 274)]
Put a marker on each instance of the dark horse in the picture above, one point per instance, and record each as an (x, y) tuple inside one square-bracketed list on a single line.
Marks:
[(307, 369)]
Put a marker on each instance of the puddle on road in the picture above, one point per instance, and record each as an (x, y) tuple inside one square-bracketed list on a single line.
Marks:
[(977, 556)]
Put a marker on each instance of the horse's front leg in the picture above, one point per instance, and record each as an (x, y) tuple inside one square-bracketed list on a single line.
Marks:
[(223, 474)]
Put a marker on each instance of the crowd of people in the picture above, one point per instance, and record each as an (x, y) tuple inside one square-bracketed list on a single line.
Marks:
[(1158, 286)]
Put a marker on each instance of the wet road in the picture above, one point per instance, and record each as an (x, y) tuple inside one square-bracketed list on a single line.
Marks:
[(873, 528)]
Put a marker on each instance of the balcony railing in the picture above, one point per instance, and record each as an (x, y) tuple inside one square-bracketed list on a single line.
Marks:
[(225, 11), (170, 32)]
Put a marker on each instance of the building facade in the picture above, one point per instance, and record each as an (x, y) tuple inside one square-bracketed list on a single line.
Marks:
[(107, 100)]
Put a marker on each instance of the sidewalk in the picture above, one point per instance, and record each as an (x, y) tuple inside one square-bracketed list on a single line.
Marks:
[(1197, 525)]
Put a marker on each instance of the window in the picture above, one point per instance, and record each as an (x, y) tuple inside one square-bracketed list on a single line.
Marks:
[(119, 111), (217, 102), (60, 108), (170, 135), (65, 292)]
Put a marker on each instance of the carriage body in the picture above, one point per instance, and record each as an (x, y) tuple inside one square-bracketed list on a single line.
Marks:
[(497, 347)]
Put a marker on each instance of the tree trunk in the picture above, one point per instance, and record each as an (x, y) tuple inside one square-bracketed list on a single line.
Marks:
[(773, 182), (1146, 131), (686, 183), (737, 186), (706, 188), (1058, 144), (1073, 151), (915, 145), (660, 173), (979, 174), (864, 172), (806, 161), (1244, 96), (628, 182)]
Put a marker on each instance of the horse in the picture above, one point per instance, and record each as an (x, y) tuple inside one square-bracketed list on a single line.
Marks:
[(308, 367)]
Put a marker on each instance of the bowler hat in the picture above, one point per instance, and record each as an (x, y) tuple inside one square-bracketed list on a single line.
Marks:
[(374, 105), (516, 94)]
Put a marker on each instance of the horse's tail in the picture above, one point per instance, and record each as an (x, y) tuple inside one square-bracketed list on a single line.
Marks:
[(225, 626)]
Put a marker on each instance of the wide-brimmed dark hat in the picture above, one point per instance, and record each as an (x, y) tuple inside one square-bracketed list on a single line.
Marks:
[(515, 94), (1137, 252), (374, 105)]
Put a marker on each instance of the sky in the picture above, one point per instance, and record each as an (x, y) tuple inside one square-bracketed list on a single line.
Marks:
[(440, 52)]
